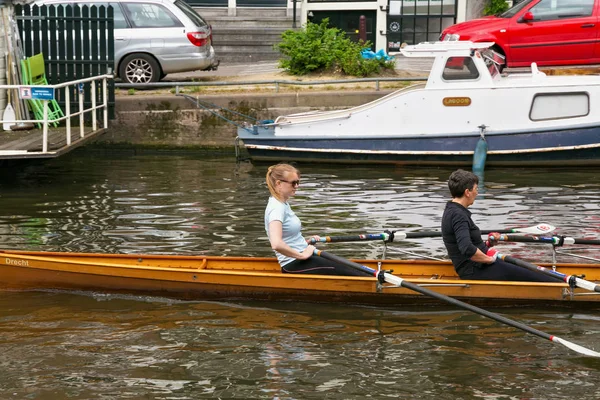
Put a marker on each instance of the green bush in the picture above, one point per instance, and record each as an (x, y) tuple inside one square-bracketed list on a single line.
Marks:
[(495, 7), (317, 48)]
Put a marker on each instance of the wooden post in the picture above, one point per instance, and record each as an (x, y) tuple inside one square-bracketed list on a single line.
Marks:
[(362, 28)]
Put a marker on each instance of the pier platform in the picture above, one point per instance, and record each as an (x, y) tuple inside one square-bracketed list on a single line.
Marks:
[(25, 144)]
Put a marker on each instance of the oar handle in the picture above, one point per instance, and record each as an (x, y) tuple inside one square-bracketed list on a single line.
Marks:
[(351, 238), (572, 280), (527, 239), (554, 240), (344, 261), (536, 268)]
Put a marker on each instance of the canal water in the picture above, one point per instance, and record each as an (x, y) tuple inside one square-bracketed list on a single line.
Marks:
[(84, 345)]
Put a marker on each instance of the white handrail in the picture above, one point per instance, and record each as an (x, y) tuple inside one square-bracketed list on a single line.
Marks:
[(68, 115)]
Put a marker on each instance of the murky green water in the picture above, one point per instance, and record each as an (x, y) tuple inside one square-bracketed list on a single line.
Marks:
[(92, 345)]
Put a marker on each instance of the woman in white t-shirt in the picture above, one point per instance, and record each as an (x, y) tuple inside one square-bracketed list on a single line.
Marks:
[(284, 228)]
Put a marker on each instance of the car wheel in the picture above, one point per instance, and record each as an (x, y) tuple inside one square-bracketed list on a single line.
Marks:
[(139, 68)]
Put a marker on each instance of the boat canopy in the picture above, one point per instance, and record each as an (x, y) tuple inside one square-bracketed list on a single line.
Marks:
[(434, 49)]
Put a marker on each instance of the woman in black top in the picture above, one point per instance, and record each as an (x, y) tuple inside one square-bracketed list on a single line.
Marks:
[(462, 238)]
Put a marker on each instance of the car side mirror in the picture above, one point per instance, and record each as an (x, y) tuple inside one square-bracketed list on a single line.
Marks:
[(528, 17)]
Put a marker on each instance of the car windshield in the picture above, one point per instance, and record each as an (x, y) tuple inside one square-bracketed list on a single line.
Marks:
[(511, 12), (189, 11)]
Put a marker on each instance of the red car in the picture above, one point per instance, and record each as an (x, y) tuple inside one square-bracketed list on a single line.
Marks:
[(548, 32)]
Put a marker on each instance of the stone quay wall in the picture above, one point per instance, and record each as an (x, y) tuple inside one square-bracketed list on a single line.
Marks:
[(173, 121)]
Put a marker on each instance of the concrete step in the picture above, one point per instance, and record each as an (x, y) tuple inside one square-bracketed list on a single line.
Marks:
[(245, 58), (246, 22), (247, 48), (263, 12), (243, 38), (208, 12), (243, 41), (249, 30)]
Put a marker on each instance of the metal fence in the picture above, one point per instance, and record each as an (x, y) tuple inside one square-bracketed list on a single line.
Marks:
[(77, 43)]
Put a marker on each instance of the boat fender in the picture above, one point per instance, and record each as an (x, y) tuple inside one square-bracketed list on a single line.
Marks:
[(480, 153)]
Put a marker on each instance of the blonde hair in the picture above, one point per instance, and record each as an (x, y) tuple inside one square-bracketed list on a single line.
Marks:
[(277, 173)]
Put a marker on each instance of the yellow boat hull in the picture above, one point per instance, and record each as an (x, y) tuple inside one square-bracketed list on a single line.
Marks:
[(200, 277)]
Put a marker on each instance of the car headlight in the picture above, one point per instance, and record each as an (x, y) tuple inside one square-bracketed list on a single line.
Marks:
[(451, 37)]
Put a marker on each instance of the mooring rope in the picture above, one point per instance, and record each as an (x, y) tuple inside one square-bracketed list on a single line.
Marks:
[(210, 107)]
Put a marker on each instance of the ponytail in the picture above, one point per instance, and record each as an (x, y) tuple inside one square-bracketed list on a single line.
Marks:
[(277, 172)]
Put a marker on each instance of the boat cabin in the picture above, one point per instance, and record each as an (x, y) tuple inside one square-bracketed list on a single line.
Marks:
[(459, 62)]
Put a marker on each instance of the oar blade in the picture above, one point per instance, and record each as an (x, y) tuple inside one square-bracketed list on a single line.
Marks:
[(575, 347), (536, 230)]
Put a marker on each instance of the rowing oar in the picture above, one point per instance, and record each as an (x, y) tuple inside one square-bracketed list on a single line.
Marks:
[(390, 236), (384, 276), (571, 280), (555, 240)]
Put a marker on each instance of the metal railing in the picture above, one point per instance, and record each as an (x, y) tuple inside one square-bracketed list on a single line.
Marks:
[(276, 83), (46, 121)]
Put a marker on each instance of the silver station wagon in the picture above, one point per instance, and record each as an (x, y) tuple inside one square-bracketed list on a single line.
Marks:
[(154, 38)]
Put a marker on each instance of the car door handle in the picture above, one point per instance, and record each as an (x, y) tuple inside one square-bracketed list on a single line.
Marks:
[(588, 25)]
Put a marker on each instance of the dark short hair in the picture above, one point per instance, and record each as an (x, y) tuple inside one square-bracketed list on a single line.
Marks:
[(461, 180)]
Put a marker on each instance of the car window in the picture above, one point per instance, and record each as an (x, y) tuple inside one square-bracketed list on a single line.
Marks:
[(119, 17), (547, 10), (511, 12), (150, 16), (190, 13)]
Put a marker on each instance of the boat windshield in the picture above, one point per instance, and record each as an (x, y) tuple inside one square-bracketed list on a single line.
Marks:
[(493, 61), (511, 12)]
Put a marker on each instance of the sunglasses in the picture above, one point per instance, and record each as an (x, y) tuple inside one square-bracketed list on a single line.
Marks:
[(293, 183)]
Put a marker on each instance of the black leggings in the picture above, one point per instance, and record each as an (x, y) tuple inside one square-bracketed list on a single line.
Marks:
[(320, 266), (504, 271)]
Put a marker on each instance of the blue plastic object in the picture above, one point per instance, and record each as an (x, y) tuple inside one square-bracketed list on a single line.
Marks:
[(368, 54)]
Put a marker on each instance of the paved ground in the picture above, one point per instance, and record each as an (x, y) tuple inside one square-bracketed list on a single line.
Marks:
[(265, 70), (269, 67)]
